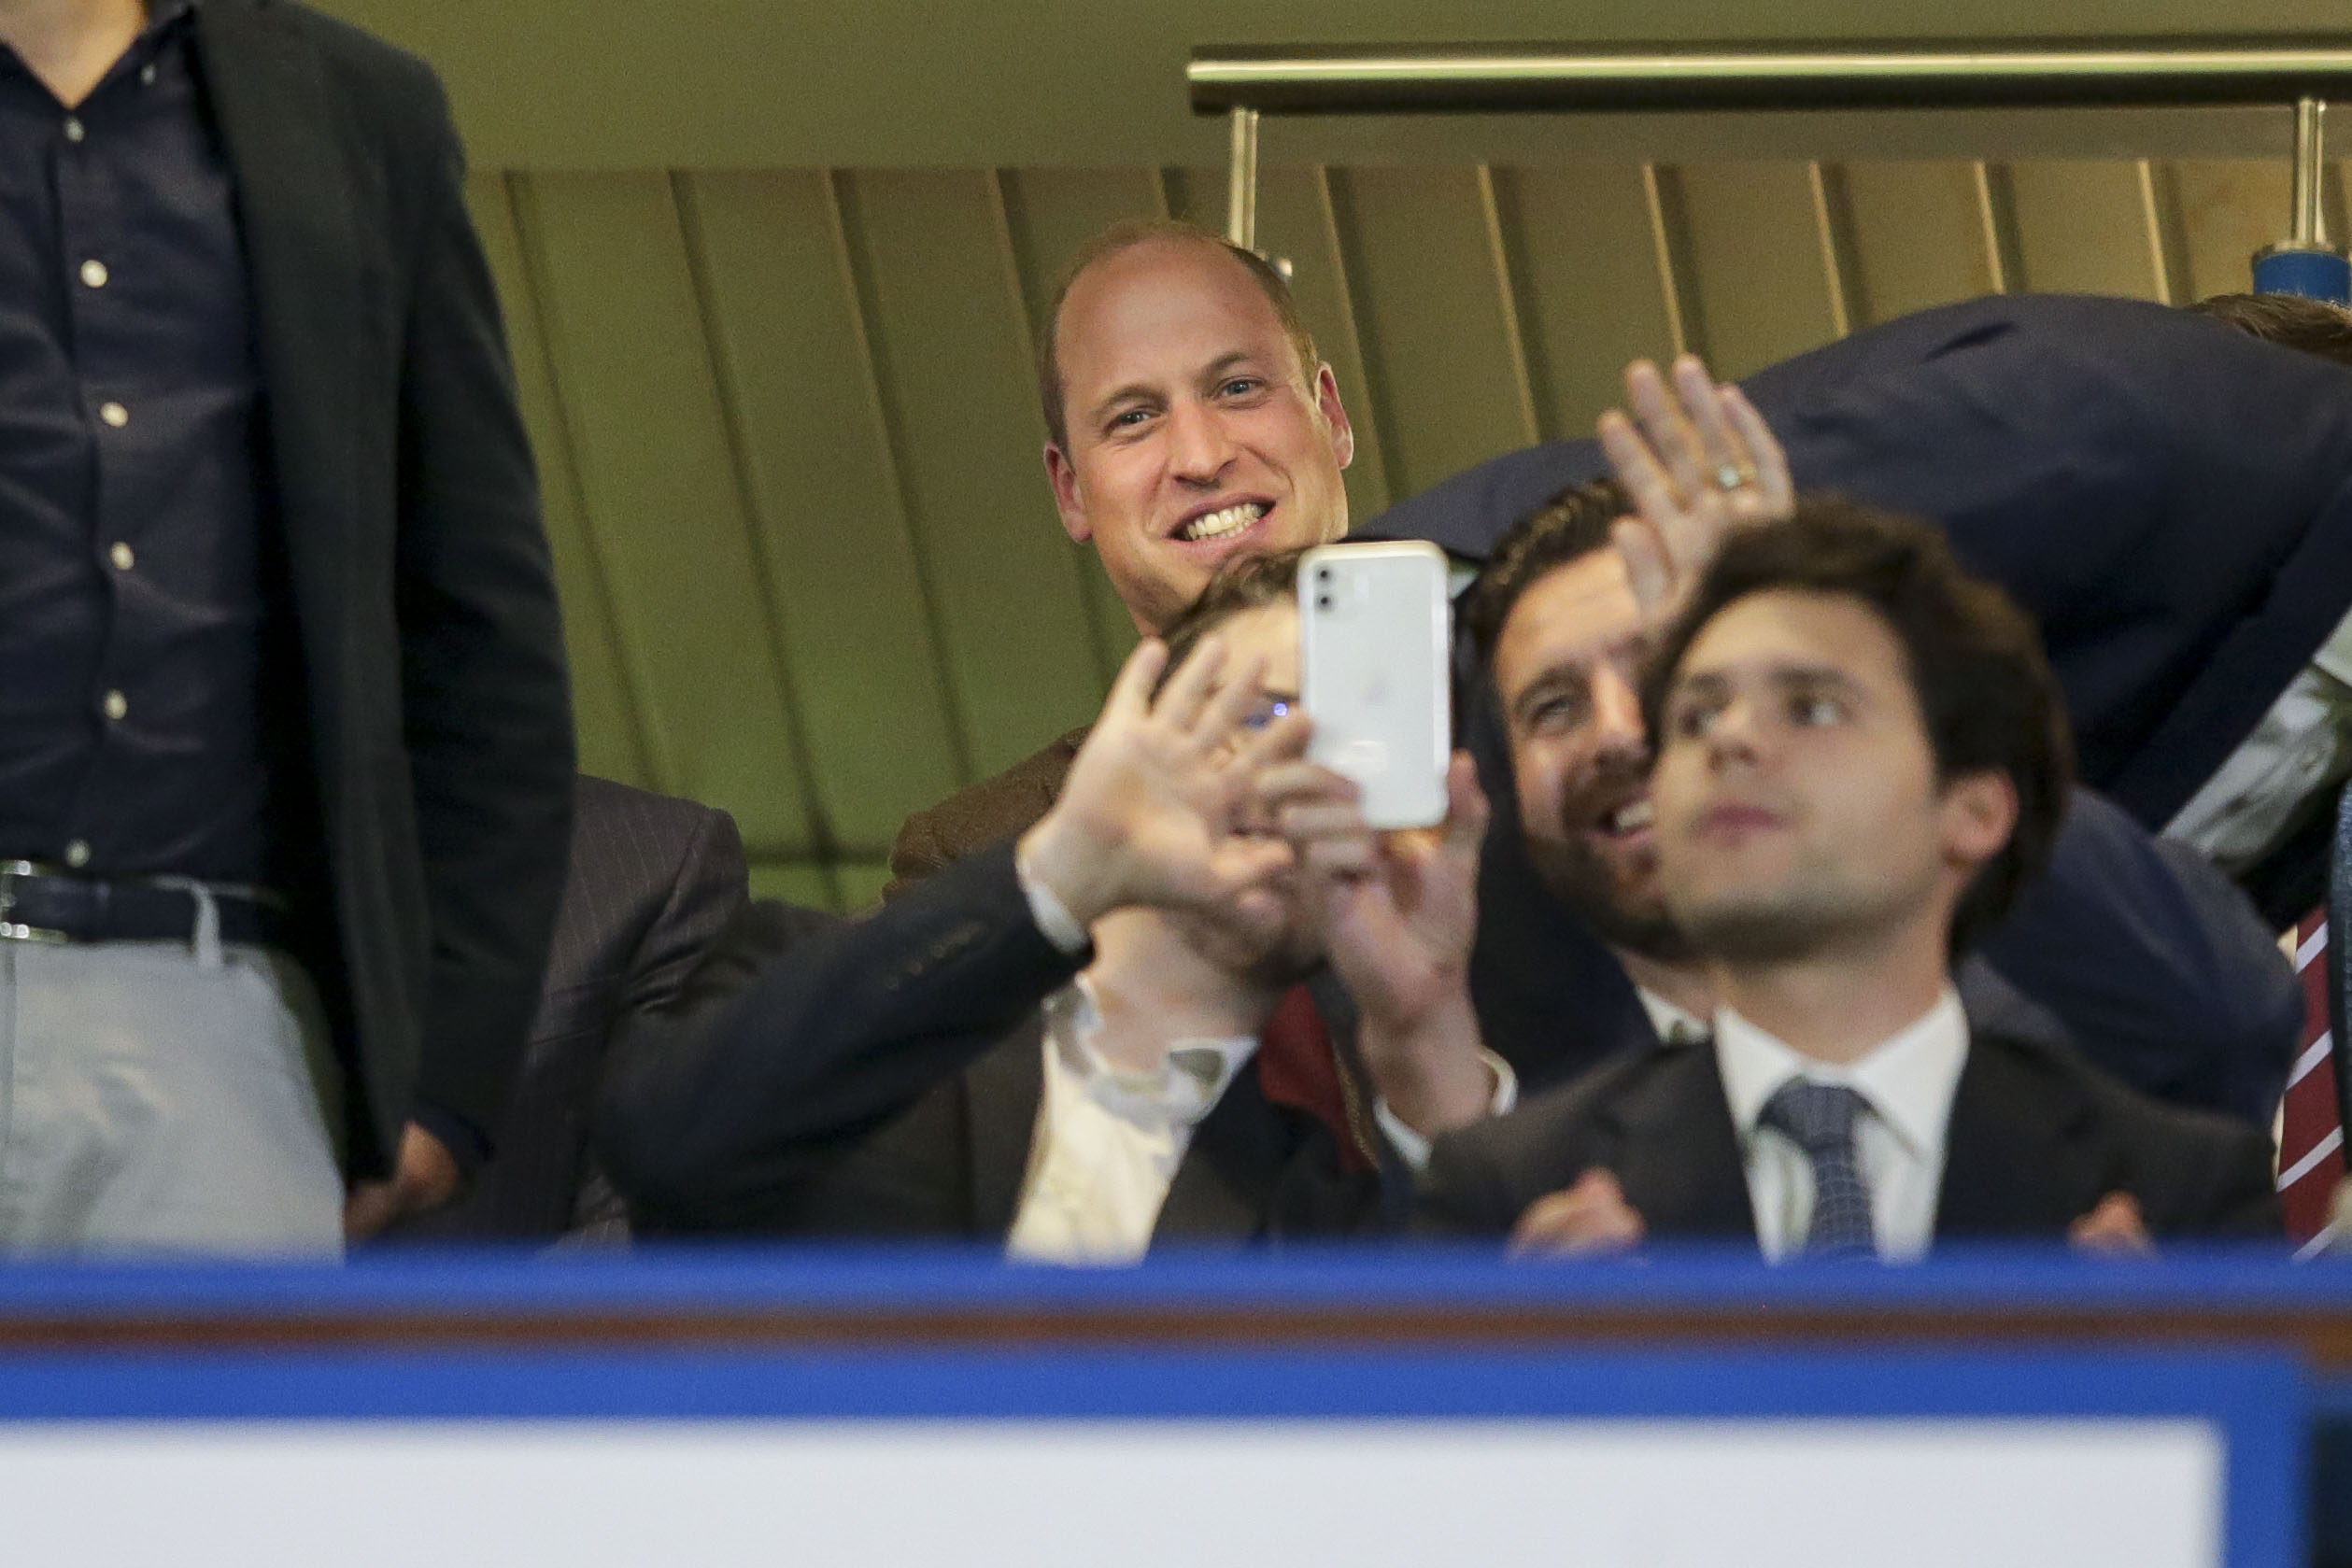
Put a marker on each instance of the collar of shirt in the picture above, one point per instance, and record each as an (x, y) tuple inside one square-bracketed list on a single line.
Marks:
[(2335, 658), (1675, 1024), (1191, 1078), (1907, 1080)]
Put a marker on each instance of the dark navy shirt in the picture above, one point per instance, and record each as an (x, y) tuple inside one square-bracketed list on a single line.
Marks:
[(138, 619)]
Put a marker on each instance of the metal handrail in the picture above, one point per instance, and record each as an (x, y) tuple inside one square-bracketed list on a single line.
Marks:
[(2045, 74), (2156, 72)]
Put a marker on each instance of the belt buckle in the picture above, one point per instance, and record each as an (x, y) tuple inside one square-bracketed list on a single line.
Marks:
[(14, 931)]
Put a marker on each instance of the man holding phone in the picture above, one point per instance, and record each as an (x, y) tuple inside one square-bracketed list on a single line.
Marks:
[(1044, 1046)]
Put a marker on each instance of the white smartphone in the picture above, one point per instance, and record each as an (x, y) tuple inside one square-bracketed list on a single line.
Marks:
[(1375, 647)]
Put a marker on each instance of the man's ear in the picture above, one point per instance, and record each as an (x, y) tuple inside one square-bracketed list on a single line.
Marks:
[(1979, 812), (1062, 474), (1327, 400)]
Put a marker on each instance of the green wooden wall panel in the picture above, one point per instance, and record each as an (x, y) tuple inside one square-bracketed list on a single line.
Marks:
[(838, 555), (2229, 208), (2082, 228), (1757, 263), (861, 883), (1433, 320), (807, 883), (1295, 224), (950, 344), (1921, 237), (603, 709), (659, 492), (1051, 213), (1590, 298)]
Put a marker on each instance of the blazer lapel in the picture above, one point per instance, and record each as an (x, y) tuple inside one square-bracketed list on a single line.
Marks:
[(1224, 1186), (284, 137), (2021, 1157), (1002, 1093), (1675, 1153)]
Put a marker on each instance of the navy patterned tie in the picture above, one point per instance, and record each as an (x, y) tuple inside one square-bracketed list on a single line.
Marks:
[(1820, 1119)]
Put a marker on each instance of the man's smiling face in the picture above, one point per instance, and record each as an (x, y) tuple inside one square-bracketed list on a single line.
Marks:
[(1194, 431), (1565, 670)]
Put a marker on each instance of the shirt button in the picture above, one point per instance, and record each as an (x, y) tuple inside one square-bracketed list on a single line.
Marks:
[(114, 414), (146, 75), (74, 132), (95, 273), (116, 704), (121, 557), (76, 855)]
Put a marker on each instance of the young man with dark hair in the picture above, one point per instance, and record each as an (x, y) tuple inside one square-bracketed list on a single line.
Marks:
[(1044, 1046), (1862, 758), (2143, 953)]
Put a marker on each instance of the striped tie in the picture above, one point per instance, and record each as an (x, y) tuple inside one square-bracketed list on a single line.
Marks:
[(2311, 1137), (1820, 1119)]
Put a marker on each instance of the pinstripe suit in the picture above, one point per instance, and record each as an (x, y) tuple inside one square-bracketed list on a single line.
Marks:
[(653, 881)]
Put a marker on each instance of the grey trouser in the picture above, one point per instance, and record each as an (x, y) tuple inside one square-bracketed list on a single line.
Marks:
[(160, 1096)]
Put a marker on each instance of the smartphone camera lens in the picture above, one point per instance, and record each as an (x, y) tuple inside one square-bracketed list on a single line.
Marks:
[(1323, 602), (1323, 574)]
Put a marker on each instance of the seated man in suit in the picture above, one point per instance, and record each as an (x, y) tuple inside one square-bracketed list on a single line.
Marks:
[(1862, 759), (652, 881), (2167, 492), (966, 1063)]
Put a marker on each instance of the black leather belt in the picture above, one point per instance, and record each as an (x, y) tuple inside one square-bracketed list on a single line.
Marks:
[(39, 905)]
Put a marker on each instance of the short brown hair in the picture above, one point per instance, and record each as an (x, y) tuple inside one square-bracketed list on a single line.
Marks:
[(2290, 320), (1573, 524), (1242, 583), (1986, 694), (1124, 237)]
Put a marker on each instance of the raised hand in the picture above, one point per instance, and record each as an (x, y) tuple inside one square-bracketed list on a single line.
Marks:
[(1153, 812), (2114, 1229), (1697, 460), (1588, 1219), (1400, 912)]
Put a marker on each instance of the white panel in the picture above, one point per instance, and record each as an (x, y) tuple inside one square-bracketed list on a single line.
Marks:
[(1776, 1494)]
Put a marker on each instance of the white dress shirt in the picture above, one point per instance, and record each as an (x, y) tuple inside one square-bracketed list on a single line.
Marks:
[(1108, 1141), (1906, 1084), (2302, 748)]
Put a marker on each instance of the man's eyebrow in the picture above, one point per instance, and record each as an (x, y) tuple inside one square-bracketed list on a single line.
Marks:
[(1788, 675), (1571, 673)]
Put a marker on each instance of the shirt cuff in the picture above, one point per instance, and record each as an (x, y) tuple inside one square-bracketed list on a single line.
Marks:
[(465, 1142), (1052, 917), (1410, 1146)]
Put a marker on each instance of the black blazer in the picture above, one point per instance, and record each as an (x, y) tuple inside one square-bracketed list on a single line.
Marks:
[(2171, 499), (438, 713), (2036, 1138), (653, 881), (882, 1080)]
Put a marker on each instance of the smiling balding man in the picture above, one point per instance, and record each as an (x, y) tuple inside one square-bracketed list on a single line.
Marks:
[(1189, 419)]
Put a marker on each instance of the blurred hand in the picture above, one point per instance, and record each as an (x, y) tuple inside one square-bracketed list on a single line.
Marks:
[(1589, 1219), (1698, 461), (424, 1177), (2115, 1229), (1153, 812)]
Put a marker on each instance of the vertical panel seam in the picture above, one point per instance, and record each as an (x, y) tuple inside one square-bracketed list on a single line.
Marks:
[(685, 208), (1507, 292), (2167, 242), (1661, 189), (1996, 211), (1374, 402), (652, 751), (858, 287), (1000, 207), (1826, 182)]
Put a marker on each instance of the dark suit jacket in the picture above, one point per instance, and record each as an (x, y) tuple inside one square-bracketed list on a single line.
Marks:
[(438, 713), (882, 1079), (653, 881), (2171, 499), (2036, 1138)]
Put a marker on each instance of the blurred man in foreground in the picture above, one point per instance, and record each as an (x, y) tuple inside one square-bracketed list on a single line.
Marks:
[(1863, 759)]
